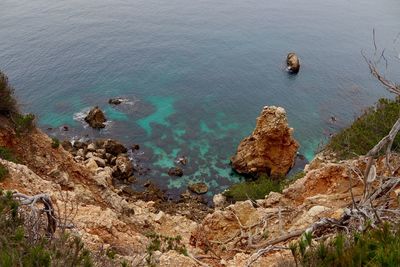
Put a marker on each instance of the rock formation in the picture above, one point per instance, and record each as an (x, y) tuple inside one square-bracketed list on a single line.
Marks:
[(270, 148), (198, 188), (293, 63), (96, 118)]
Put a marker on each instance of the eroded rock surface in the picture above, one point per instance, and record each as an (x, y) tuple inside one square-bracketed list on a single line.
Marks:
[(96, 118), (271, 147)]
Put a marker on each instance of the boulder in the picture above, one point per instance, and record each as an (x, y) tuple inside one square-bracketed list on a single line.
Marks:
[(96, 118), (114, 101), (293, 63), (198, 188), (123, 168), (67, 145), (271, 147), (114, 148), (175, 171)]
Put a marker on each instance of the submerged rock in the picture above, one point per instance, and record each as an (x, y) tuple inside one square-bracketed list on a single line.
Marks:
[(293, 63), (176, 171), (114, 101), (198, 188), (270, 148), (96, 118)]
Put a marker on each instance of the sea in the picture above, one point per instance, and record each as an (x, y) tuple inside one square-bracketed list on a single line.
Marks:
[(194, 75)]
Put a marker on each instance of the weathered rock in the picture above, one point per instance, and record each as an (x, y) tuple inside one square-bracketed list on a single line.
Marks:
[(135, 147), (67, 145), (270, 148), (219, 200), (176, 171), (92, 165), (91, 147), (96, 118), (123, 168), (114, 101), (113, 147), (293, 63), (198, 188), (100, 162)]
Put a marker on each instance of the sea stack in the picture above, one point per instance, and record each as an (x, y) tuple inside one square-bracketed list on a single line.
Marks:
[(270, 149), (96, 118), (293, 63)]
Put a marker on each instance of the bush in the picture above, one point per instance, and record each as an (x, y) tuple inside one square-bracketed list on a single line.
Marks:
[(257, 189), (24, 123), (367, 130), (376, 247), (55, 143), (15, 250), (6, 154), (3, 172), (8, 105)]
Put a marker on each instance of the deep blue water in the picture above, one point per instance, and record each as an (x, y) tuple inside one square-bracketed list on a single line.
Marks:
[(196, 73)]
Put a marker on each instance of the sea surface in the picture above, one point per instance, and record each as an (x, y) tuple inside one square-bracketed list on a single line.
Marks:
[(195, 74)]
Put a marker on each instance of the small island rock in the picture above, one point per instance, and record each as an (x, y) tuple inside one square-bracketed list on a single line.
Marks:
[(96, 118), (293, 63), (271, 147)]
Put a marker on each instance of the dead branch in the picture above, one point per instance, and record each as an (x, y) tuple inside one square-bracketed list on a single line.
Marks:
[(31, 202), (261, 252)]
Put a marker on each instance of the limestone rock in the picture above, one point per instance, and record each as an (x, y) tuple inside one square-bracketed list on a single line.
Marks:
[(271, 147), (198, 188), (293, 63), (219, 200), (96, 118), (113, 147), (123, 168)]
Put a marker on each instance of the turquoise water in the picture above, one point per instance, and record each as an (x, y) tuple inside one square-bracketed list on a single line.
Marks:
[(195, 74)]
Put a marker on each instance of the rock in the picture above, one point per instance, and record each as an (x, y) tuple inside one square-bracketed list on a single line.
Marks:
[(81, 153), (96, 118), (270, 148), (89, 155), (100, 162), (113, 147), (198, 188), (67, 145), (182, 160), (219, 200), (79, 145), (272, 198), (92, 165), (123, 168), (293, 63), (135, 147), (176, 171), (91, 147), (114, 101)]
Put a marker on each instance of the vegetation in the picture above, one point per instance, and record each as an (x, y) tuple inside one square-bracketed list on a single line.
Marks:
[(9, 108), (375, 247), (55, 143), (367, 130), (253, 189), (23, 123), (163, 244), (3, 172), (8, 104), (259, 188), (6, 154), (15, 250)]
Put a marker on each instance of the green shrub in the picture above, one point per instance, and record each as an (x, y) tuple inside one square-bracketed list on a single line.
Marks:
[(6, 154), (257, 189), (15, 250), (375, 247), (8, 105), (163, 243), (55, 143), (24, 123), (3, 172), (367, 130)]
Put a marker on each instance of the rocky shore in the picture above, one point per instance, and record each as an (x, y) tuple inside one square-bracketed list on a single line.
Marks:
[(93, 179)]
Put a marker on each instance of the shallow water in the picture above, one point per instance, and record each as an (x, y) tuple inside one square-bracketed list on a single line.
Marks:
[(196, 74)]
